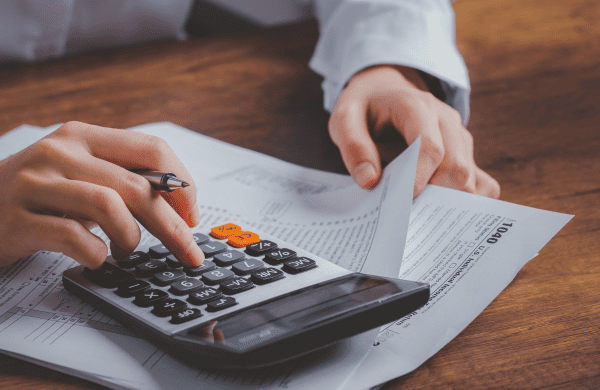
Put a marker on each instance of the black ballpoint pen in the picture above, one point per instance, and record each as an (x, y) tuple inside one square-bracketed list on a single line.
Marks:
[(162, 181)]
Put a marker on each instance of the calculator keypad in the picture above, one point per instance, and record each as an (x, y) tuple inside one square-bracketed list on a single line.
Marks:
[(165, 287)]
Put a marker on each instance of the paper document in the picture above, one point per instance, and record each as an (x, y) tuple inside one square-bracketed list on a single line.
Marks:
[(468, 248)]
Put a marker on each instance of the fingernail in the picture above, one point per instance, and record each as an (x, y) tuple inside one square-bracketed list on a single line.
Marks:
[(365, 175)]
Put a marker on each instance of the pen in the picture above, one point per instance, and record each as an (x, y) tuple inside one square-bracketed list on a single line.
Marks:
[(162, 181)]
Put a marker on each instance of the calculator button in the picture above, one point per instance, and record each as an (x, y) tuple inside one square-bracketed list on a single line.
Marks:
[(227, 258), (132, 287), (186, 286), (205, 267), (133, 260), (185, 315), (217, 276), (267, 275), (236, 285), (260, 248), (225, 231), (173, 262), (247, 266), (108, 275), (243, 239), (164, 278), (151, 267), (170, 306), (159, 251), (212, 248), (200, 238), (221, 303), (150, 298), (300, 264), (279, 256), (204, 295)]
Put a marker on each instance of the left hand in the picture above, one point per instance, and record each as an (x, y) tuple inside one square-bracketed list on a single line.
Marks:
[(387, 94)]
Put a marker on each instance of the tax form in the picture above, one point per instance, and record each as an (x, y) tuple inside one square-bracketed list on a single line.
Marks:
[(467, 247)]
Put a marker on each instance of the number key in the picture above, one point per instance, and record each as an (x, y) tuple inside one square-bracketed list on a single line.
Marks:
[(247, 266), (186, 286), (151, 267), (217, 276), (164, 278), (212, 248)]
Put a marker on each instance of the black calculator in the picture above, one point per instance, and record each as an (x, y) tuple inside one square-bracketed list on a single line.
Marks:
[(254, 302)]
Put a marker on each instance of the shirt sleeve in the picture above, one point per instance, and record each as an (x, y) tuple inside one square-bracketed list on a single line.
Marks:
[(355, 34), (37, 29)]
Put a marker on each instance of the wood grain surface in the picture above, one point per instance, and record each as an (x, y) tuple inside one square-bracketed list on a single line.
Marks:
[(535, 73)]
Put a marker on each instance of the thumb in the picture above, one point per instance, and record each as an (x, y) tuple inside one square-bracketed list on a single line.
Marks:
[(349, 131)]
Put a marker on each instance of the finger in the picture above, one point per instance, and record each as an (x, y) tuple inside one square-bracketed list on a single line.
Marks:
[(486, 185), (132, 150), (146, 205), (414, 116), (86, 201), (47, 232), (349, 131), (457, 169)]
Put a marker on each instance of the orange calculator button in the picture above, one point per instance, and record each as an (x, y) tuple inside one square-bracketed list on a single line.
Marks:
[(224, 231), (243, 239)]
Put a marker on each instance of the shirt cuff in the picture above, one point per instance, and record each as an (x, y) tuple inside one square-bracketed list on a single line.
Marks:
[(420, 35)]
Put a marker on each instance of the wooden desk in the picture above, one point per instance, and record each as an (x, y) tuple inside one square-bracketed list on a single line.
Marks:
[(535, 70)]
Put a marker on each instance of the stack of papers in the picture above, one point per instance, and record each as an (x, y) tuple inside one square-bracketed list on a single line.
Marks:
[(467, 247)]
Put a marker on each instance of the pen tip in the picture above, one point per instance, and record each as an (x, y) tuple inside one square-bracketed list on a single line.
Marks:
[(185, 184)]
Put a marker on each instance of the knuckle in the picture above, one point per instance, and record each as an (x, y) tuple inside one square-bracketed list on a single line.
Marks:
[(434, 148), (105, 201), (70, 128), (156, 145), (138, 186), (71, 239)]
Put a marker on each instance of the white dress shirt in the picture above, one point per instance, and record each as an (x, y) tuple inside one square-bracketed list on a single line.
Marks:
[(354, 34)]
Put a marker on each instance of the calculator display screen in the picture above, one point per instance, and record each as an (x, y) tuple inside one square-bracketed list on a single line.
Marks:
[(302, 309)]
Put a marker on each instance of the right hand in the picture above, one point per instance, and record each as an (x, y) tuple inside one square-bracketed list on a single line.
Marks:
[(53, 190)]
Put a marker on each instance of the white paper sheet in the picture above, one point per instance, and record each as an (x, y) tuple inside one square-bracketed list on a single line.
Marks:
[(446, 245)]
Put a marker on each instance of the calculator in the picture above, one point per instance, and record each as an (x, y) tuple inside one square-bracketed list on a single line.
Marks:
[(255, 301)]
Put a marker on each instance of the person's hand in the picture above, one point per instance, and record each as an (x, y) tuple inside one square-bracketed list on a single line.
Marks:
[(78, 175), (390, 95)]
